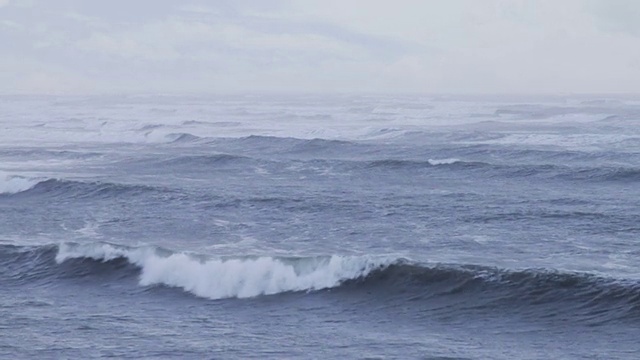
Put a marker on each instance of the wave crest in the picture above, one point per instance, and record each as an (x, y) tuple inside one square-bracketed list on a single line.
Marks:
[(10, 184), (72, 188), (226, 278)]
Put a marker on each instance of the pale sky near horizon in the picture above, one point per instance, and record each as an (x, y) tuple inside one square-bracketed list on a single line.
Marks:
[(326, 46)]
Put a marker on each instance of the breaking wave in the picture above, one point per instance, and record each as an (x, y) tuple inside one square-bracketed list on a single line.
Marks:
[(14, 184), (232, 277), (386, 280)]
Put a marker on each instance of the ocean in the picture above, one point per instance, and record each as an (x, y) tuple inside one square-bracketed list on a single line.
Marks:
[(320, 227)]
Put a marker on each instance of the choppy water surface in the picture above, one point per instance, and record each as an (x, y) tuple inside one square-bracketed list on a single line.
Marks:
[(320, 227)]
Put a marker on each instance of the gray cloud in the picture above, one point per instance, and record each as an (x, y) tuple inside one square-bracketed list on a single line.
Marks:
[(459, 46)]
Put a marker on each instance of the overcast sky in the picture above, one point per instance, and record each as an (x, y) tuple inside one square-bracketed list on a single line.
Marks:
[(388, 46)]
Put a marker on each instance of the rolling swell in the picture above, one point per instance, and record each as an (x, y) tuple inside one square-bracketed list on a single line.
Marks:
[(183, 138), (414, 164), (437, 289), (295, 147), (604, 173), (203, 160), (487, 291), (73, 188)]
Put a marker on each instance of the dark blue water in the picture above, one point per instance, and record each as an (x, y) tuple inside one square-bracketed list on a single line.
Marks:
[(320, 227)]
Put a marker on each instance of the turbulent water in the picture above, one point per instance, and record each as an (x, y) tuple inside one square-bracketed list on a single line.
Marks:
[(431, 227)]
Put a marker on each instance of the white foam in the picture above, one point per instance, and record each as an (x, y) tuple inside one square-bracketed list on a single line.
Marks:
[(226, 278), (435, 162), (153, 119), (10, 184)]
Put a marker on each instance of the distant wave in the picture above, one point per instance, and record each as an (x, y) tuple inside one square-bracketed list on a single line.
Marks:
[(197, 162), (384, 280), (555, 156), (550, 171), (27, 154), (436, 162), (73, 188), (212, 123), (293, 145), (596, 174), (605, 172), (261, 143), (418, 163), (321, 145), (452, 150), (608, 173), (402, 163), (181, 138)]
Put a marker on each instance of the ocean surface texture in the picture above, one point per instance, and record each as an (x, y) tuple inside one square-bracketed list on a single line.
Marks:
[(431, 227)]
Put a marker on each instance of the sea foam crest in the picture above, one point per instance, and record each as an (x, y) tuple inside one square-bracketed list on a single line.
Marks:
[(435, 162), (11, 184), (226, 278)]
